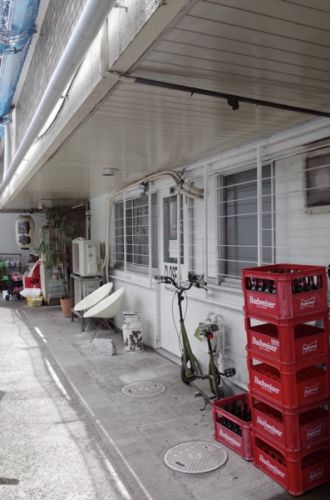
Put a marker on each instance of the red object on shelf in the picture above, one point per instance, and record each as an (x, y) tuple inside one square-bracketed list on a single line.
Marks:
[(289, 341), (284, 291), (297, 472), (293, 430), (225, 424), (32, 280), (31, 283), (290, 386)]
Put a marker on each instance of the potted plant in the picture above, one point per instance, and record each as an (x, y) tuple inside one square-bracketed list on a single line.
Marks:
[(55, 252)]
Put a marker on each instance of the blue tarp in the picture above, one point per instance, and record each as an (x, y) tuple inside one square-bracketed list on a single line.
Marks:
[(17, 25)]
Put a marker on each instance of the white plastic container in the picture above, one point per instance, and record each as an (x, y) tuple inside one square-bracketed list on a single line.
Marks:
[(132, 333)]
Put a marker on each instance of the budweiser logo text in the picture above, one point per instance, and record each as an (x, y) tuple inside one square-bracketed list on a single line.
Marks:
[(314, 432), (266, 346), (311, 347), (275, 470), (269, 427), (266, 385), (312, 389), (230, 439), (316, 474), (264, 303), (306, 303)]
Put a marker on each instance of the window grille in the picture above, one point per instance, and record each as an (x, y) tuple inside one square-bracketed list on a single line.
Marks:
[(191, 224), (154, 230), (318, 181), (195, 216), (131, 234), (118, 235), (237, 220)]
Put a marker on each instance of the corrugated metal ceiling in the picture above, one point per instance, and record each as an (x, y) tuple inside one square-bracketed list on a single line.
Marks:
[(276, 50)]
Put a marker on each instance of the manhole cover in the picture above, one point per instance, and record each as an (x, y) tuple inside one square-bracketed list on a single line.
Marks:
[(195, 457), (143, 389)]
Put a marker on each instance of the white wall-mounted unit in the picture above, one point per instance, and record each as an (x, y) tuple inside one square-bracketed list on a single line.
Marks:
[(85, 257)]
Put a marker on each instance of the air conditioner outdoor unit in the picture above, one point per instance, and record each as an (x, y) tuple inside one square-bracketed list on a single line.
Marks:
[(85, 257)]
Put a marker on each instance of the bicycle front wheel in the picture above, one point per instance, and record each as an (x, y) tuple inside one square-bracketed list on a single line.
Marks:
[(214, 380)]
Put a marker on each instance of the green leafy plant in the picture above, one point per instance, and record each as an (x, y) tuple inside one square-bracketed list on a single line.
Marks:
[(55, 243)]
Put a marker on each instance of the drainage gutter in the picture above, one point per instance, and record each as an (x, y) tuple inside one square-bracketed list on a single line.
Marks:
[(83, 34)]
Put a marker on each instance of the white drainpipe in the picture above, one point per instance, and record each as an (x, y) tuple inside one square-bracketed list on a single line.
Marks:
[(86, 29), (7, 148)]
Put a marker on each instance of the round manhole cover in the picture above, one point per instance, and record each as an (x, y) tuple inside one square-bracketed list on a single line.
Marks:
[(143, 389), (195, 457)]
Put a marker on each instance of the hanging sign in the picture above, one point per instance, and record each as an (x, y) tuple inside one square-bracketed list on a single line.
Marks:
[(24, 231)]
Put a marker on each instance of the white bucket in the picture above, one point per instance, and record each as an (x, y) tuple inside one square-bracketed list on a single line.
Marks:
[(132, 333)]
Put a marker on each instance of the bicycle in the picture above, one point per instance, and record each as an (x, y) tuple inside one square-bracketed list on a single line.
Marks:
[(190, 366)]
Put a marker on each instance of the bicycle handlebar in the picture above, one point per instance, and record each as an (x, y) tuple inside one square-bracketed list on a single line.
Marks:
[(170, 281), (193, 280)]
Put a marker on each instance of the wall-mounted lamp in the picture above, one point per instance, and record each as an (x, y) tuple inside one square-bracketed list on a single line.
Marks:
[(144, 187)]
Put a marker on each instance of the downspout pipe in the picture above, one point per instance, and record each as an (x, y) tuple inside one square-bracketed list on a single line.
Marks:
[(7, 148), (85, 31)]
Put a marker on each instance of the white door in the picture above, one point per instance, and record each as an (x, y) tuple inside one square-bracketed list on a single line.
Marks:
[(172, 263)]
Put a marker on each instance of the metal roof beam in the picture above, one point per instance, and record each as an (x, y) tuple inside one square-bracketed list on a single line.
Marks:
[(232, 99)]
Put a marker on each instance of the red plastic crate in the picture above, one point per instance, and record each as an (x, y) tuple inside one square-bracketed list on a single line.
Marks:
[(280, 302), (289, 341), (239, 441), (290, 386), (293, 430), (297, 472)]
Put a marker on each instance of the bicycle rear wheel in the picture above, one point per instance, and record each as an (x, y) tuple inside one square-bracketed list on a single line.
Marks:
[(187, 372)]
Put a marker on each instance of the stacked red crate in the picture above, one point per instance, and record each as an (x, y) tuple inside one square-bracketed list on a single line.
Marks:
[(287, 326), (232, 424)]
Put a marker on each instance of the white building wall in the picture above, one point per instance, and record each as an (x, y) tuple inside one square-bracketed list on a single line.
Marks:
[(97, 207), (142, 300), (300, 237)]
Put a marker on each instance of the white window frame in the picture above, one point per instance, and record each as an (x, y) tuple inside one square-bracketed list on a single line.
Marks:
[(132, 267), (234, 280), (321, 167)]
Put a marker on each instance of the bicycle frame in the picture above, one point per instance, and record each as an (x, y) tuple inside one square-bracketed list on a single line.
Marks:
[(190, 367), (194, 370)]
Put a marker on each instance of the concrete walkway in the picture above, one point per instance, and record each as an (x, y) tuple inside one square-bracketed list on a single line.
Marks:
[(46, 448), (115, 445)]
